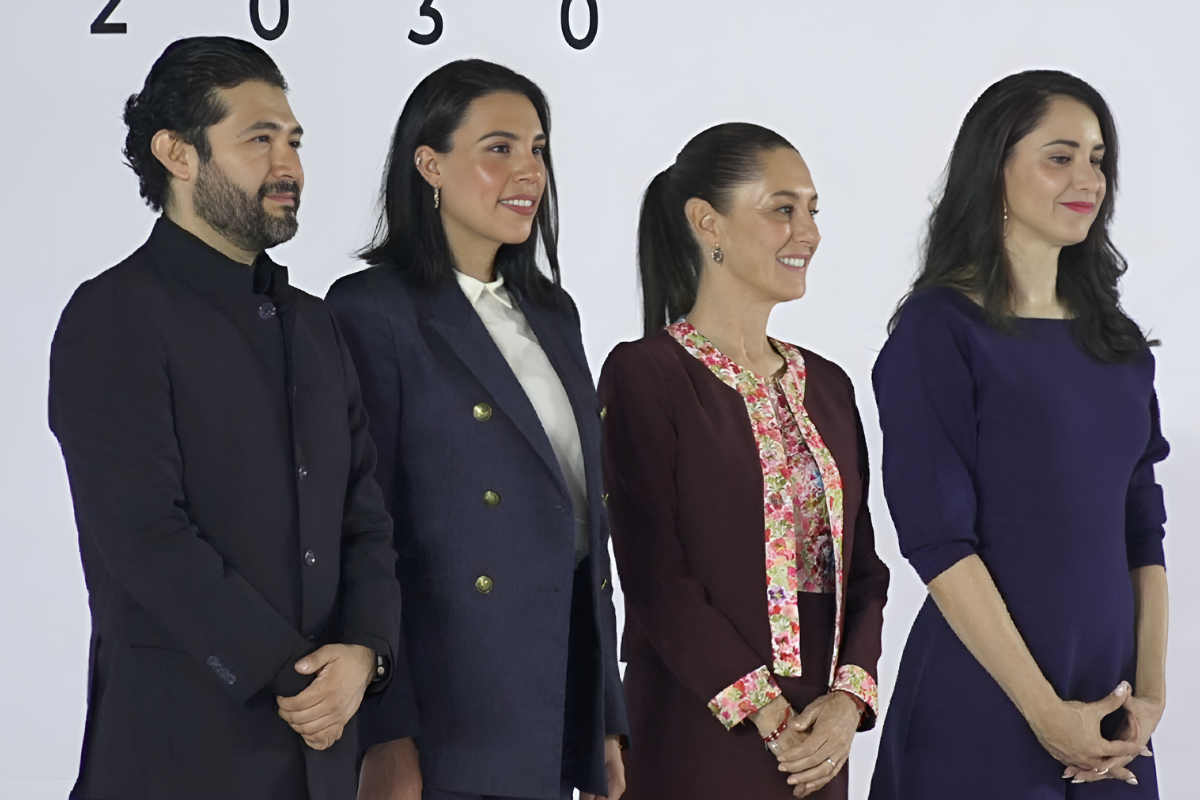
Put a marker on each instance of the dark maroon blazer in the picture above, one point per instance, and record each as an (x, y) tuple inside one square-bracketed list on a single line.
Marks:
[(685, 485)]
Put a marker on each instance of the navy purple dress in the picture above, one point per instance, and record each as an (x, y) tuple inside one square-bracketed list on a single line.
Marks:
[(1022, 449)]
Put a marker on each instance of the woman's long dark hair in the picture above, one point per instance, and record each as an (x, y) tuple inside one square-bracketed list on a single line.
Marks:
[(409, 233), (964, 246), (710, 167)]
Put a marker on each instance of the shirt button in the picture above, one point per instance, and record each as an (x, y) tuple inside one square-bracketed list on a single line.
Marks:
[(266, 310), (482, 412), (302, 472), (483, 584), (491, 499), (310, 557)]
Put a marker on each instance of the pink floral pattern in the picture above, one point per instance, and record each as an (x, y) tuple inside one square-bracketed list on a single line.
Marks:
[(858, 682), (802, 500), (747, 695)]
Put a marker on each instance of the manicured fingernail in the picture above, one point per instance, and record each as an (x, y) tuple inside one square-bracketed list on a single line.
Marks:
[(1121, 689), (1132, 781), (1101, 772), (1066, 773), (1146, 752), (1077, 779)]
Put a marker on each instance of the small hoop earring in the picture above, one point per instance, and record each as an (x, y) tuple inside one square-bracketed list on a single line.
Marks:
[(437, 196), (717, 256), (418, 162), (1005, 210)]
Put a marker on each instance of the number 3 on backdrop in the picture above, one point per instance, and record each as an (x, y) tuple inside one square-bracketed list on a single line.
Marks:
[(102, 24)]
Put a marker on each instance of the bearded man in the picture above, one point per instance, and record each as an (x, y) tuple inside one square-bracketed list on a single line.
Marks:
[(236, 549)]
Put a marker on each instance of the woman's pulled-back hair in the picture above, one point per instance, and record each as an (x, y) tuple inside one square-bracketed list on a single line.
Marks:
[(180, 95), (964, 247), (409, 233), (710, 167)]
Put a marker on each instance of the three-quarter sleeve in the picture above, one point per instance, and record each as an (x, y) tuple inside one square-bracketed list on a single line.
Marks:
[(926, 397), (699, 644), (1145, 511)]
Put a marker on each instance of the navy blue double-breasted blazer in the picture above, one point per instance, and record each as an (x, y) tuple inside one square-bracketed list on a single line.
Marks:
[(487, 586)]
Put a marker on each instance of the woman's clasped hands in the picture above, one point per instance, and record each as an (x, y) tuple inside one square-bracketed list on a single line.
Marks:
[(1070, 731), (815, 743)]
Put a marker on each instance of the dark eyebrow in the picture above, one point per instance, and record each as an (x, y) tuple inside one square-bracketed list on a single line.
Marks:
[(507, 135), (791, 195), (1070, 143), (270, 126)]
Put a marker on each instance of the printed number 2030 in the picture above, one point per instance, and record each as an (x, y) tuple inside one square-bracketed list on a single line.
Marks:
[(102, 24)]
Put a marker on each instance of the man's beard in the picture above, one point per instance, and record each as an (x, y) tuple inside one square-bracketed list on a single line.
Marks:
[(240, 216)]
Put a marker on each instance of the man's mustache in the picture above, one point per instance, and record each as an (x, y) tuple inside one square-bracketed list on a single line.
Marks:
[(281, 187)]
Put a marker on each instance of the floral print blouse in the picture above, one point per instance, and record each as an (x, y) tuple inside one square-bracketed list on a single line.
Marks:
[(802, 522)]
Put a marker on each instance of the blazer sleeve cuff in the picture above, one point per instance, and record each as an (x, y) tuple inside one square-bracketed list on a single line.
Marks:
[(288, 682), (857, 681), (743, 697)]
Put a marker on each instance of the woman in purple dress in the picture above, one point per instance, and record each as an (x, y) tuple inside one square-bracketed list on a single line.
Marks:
[(1020, 432)]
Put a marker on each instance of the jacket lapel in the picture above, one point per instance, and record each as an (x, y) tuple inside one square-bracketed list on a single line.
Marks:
[(453, 319), (577, 381)]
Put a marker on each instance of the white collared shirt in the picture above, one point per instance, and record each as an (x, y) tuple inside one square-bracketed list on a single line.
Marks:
[(517, 343)]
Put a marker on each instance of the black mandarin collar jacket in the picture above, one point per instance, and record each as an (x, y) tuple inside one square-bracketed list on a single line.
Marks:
[(229, 522)]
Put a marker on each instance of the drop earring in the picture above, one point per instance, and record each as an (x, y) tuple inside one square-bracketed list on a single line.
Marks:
[(1005, 210), (717, 255), (437, 196)]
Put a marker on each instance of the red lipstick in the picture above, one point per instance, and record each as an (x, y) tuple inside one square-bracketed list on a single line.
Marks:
[(1081, 207)]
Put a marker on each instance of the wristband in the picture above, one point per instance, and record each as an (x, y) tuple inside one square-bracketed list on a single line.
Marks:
[(774, 735)]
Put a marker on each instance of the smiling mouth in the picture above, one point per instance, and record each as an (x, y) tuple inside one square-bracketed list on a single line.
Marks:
[(797, 263), (518, 203), (1081, 207)]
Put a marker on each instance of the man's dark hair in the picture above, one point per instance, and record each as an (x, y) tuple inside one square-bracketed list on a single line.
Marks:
[(180, 95)]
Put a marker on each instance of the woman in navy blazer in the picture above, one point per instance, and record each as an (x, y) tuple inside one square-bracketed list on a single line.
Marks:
[(484, 413)]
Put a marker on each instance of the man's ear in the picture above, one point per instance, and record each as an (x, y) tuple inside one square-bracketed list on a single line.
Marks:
[(704, 220), (426, 161), (179, 157)]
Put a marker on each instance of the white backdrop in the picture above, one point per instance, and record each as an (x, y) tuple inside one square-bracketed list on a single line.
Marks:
[(871, 92)]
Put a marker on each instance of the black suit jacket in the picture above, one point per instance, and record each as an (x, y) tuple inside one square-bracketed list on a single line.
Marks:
[(229, 521), (489, 669)]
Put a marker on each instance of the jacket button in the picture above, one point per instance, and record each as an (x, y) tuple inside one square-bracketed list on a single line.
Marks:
[(491, 499), (482, 412), (603, 413), (604, 500), (266, 310), (302, 472), (310, 557), (483, 584), (604, 584)]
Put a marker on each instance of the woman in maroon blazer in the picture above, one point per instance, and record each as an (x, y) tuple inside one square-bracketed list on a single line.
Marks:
[(737, 475)]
